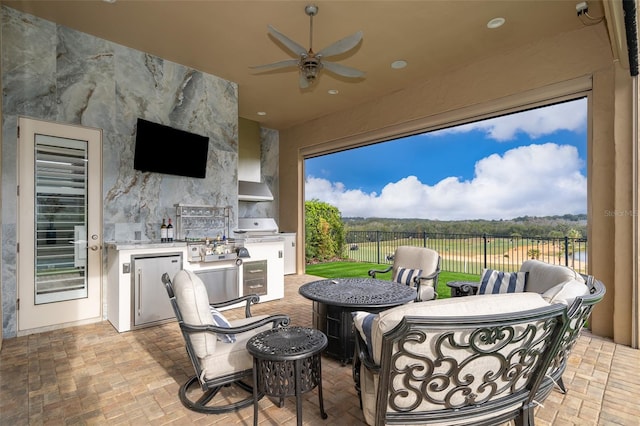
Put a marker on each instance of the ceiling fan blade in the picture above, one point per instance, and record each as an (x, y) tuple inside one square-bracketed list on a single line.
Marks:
[(290, 44), (342, 70), (341, 46), (303, 81), (276, 65)]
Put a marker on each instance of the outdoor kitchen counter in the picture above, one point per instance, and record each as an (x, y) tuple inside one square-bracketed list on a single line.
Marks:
[(151, 244), (121, 277)]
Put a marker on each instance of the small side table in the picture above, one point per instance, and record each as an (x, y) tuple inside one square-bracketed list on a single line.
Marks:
[(287, 362), (463, 288)]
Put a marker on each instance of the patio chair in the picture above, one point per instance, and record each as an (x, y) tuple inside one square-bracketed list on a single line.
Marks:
[(415, 266), (557, 284), (216, 347), (579, 310), (458, 361)]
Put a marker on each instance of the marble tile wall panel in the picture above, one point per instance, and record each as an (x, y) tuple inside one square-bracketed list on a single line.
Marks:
[(54, 73)]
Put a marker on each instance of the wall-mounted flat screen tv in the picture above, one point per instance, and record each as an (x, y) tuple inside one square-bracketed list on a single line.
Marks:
[(163, 149)]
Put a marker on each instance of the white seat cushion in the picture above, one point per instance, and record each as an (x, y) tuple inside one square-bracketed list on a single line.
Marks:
[(232, 357), (427, 292), (543, 276), (566, 292), (489, 304), (215, 360)]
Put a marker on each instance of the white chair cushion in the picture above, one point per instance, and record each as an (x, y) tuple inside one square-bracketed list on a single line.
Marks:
[(489, 304), (566, 292), (543, 276), (450, 308), (427, 292), (368, 387), (417, 258), (193, 301), (232, 357)]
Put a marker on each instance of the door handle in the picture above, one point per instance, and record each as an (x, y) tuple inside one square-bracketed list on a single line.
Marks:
[(139, 292)]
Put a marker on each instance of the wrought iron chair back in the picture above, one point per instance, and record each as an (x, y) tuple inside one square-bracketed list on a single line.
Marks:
[(481, 370), (578, 312)]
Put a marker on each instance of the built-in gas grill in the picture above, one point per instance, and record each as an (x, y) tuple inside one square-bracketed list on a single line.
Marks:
[(265, 267), (257, 229)]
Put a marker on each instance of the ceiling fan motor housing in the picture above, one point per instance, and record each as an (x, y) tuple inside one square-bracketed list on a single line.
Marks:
[(311, 10), (310, 66)]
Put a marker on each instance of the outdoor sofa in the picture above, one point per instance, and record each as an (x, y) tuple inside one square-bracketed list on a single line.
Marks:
[(479, 360)]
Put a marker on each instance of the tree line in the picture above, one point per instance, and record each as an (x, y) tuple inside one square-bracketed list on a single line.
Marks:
[(549, 226), (326, 229)]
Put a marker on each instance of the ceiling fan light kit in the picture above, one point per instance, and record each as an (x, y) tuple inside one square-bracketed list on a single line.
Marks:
[(310, 63)]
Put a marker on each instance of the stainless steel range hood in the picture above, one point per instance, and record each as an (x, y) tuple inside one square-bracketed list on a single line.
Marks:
[(253, 191)]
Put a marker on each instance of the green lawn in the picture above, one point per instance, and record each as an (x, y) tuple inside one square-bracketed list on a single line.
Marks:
[(360, 269)]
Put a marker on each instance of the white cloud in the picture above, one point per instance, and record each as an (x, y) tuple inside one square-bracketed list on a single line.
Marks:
[(535, 123), (535, 180)]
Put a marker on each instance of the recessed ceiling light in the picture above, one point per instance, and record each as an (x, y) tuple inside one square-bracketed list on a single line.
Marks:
[(333, 91), (399, 64), (495, 23), (261, 113), (109, 1)]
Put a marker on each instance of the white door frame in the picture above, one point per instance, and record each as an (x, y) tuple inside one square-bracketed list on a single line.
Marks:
[(32, 317)]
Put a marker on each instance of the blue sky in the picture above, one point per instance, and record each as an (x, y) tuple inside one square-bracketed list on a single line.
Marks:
[(530, 163)]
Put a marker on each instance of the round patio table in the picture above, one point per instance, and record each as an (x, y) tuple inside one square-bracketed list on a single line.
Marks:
[(335, 299)]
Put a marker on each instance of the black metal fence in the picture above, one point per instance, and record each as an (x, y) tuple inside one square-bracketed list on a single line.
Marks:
[(470, 253)]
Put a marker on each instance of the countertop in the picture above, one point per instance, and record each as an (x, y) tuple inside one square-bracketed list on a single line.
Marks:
[(150, 244)]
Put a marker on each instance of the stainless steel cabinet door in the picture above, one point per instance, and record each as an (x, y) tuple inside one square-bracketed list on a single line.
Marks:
[(221, 283), (151, 302)]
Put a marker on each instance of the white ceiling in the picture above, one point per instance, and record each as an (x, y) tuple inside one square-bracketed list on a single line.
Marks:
[(225, 38)]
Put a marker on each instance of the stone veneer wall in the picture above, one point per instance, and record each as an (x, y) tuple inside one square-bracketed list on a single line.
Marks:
[(55, 73)]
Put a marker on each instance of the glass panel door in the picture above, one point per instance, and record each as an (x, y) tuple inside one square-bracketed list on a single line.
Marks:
[(59, 206), (60, 219)]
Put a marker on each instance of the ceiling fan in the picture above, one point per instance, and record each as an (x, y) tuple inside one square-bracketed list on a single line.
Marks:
[(309, 62)]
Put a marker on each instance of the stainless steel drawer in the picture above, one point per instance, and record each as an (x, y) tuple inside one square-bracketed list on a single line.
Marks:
[(255, 277)]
